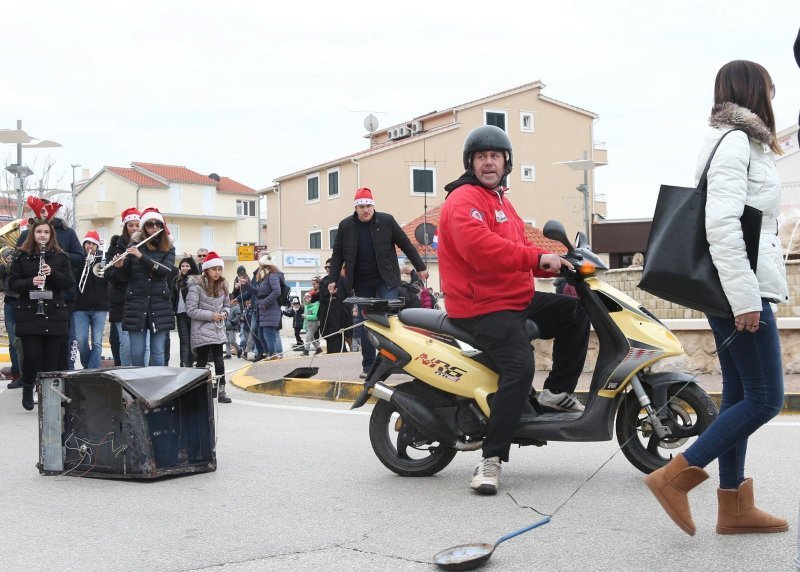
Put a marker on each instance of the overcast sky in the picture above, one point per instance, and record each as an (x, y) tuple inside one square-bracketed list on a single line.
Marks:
[(256, 90)]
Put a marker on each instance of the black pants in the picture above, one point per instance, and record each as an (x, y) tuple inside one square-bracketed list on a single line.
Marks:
[(184, 331), (501, 336), (42, 353), (113, 340), (297, 337), (216, 356)]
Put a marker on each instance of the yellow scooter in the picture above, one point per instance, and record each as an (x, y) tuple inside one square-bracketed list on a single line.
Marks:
[(418, 425)]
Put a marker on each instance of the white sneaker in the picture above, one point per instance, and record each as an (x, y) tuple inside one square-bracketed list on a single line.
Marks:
[(486, 477), (560, 401)]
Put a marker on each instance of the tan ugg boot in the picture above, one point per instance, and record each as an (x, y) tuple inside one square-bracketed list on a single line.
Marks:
[(738, 513), (670, 484)]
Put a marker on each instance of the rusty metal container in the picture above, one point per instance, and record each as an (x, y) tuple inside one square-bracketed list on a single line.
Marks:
[(126, 423)]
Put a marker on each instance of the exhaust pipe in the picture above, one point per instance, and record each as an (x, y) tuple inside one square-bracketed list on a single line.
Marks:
[(420, 415)]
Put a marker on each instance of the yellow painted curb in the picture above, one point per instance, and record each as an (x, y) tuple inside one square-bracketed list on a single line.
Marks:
[(323, 389)]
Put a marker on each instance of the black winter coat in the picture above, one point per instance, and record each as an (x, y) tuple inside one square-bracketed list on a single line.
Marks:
[(333, 314), (55, 321), (116, 286), (147, 298), (180, 283), (95, 292), (386, 233), (296, 316), (70, 244)]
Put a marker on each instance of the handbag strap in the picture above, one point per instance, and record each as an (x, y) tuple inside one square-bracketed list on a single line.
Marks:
[(703, 179)]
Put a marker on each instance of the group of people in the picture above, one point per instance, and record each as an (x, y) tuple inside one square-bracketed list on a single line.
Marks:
[(487, 268), (58, 289)]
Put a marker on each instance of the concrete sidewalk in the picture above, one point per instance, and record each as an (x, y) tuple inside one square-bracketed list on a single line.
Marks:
[(337, 379)]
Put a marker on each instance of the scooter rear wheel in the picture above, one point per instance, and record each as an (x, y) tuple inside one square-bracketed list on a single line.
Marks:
[(691, 412), (401, 448)]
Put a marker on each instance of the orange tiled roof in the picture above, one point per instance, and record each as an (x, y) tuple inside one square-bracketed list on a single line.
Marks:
[(137, 177), (538, 239), (409, 228), (176, 173), (228, 185), (534, 235), (180, 174)]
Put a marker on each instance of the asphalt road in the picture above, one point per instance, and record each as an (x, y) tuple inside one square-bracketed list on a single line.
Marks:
[(299, 488)]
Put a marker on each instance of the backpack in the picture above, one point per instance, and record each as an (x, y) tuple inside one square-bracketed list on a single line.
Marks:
[(410, 295), (283, 297)]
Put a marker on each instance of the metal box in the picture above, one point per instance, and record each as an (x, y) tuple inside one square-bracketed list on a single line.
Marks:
[(126, 423)]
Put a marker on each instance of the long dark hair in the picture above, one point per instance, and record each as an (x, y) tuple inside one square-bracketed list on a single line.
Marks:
[(126, 236), (748, 85), (30, 245), (161, 242)]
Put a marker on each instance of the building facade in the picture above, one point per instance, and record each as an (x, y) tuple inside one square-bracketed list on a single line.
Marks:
[(408, 165), (201, 211)]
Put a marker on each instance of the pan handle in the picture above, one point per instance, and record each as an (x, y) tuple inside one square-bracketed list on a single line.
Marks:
[(511, 535)]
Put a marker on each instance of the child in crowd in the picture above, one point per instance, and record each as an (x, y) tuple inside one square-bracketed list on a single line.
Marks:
[(208, 306), (296, 313), (312, 325), (232, 324)]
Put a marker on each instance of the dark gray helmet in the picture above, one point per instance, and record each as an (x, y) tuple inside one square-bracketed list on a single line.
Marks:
[(487, 138)]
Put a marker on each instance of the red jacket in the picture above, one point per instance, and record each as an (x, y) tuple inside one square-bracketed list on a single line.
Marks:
[(486, 262)]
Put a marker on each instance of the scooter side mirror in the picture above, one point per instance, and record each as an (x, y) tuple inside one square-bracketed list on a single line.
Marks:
[(554, 230)]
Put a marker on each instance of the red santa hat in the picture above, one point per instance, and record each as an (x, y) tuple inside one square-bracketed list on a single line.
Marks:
[(151, 213), (213, 260), (130, 214), (92, 236), (363, 197)]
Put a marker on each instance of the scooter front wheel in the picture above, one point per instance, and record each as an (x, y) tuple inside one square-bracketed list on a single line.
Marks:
[(401, 448), (690, 411)]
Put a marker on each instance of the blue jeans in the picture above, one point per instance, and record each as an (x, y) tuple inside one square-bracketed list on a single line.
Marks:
[(84, 319), (158, 342), (124, 345), (752, 394), (271, 338), (11, 326), (369, 291)]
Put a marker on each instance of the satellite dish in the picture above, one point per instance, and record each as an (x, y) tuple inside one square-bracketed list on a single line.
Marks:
[(371, 123), (424, 233)]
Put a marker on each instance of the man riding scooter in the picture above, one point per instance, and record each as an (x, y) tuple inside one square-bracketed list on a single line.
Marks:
[(487, 267)]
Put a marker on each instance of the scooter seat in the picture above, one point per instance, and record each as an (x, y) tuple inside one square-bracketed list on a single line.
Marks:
[(438, 322)]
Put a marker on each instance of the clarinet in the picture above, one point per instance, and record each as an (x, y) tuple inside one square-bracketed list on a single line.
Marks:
[(40, 293)]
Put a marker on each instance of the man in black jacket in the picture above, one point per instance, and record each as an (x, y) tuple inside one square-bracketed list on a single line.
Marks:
[(365, 246)]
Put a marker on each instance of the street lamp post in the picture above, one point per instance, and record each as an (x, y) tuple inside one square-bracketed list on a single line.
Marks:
[(584, 164), (22, 139), (74, 208)]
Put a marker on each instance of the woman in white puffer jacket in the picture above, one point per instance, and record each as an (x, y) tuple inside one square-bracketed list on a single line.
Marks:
[(742, 172)]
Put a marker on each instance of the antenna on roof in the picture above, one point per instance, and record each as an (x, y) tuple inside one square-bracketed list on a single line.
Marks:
[(371, 123)]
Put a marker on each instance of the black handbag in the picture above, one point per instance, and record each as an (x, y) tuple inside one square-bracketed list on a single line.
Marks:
[(678, 266)]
